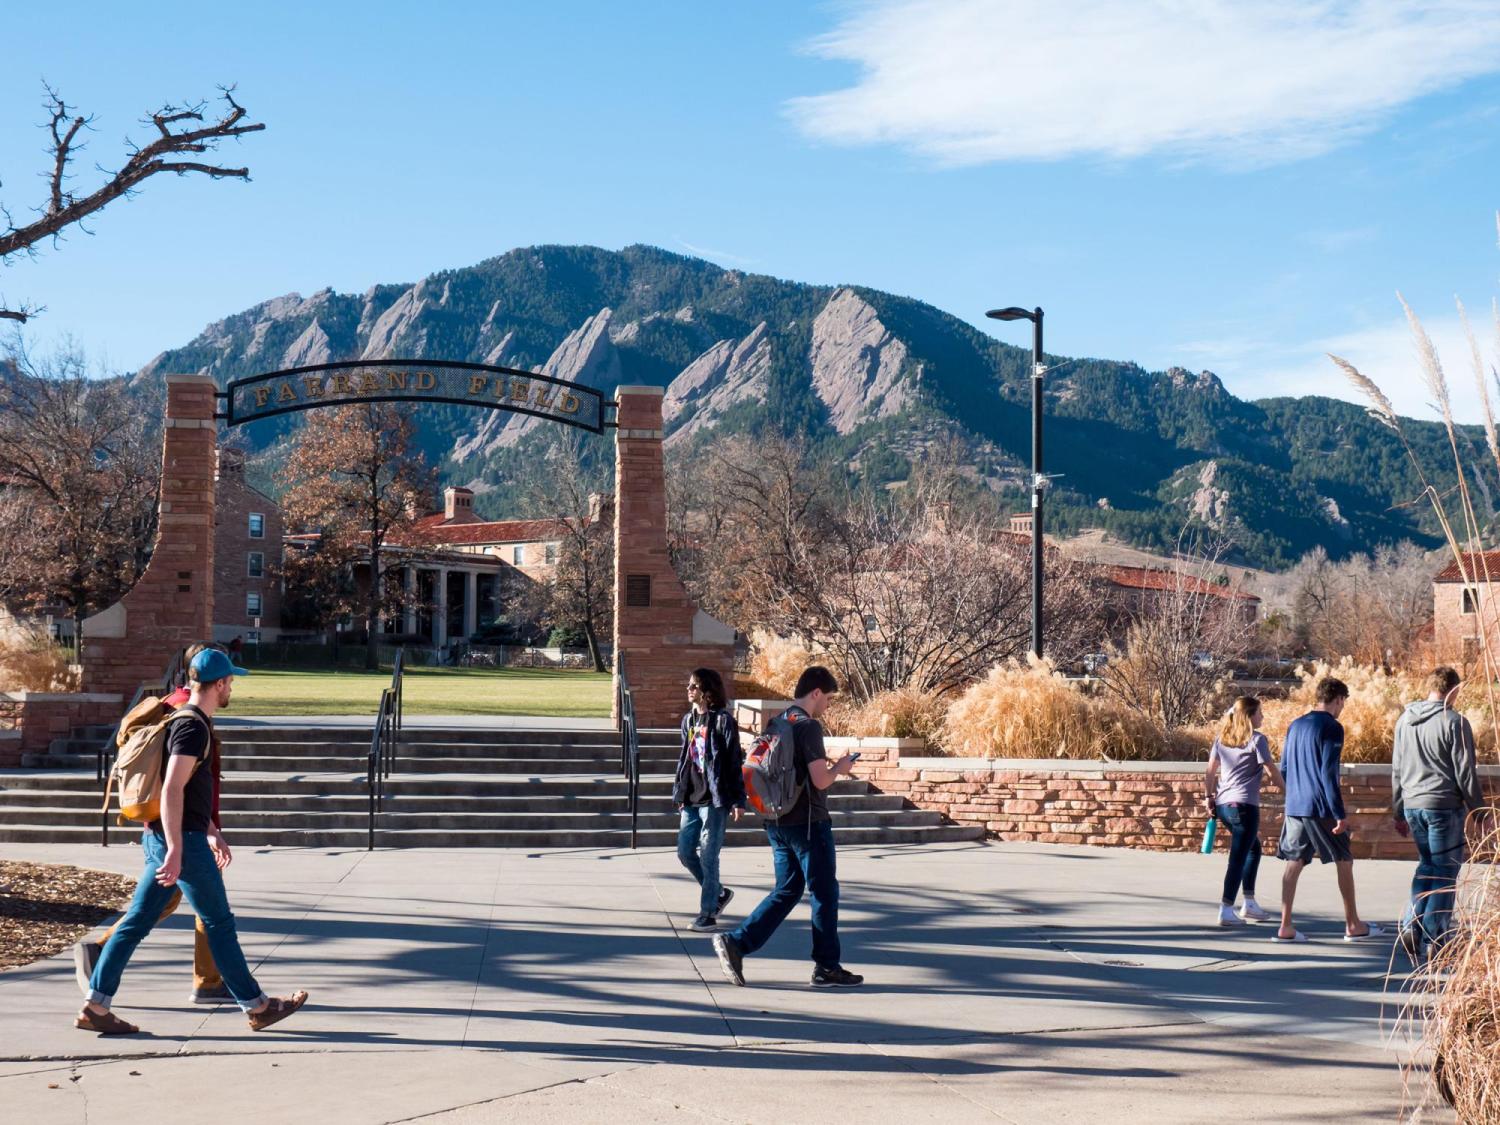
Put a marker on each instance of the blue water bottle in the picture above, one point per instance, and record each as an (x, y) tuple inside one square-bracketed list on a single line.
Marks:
[(1210, 830)]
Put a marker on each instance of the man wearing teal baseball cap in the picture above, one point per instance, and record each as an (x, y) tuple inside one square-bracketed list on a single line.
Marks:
[(185, 849)]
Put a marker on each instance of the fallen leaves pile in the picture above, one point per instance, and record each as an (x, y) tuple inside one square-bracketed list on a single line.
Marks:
[(46, 907)]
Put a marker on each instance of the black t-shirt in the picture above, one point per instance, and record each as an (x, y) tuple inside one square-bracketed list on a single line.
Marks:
[(190, 736), (807, 737)]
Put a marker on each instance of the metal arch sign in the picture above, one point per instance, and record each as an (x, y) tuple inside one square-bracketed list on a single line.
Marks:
[(351, 382)]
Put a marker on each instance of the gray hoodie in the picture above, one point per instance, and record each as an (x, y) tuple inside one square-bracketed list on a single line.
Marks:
[(1432, 765)]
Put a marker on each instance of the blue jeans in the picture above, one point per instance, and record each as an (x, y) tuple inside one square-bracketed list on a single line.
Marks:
[(1243, 822), (203, 887), (1439, 836), (698, 842), (804, 860)]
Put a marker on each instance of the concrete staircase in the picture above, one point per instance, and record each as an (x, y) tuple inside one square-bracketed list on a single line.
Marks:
[(305, 787)]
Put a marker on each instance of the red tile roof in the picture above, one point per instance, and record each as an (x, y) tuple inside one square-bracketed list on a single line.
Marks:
[(1477, 563), (434, 530), (1145, 578)]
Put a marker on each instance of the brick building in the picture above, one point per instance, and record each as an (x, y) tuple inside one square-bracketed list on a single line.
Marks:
[(462, 573), (1466, 605), (248, 541)]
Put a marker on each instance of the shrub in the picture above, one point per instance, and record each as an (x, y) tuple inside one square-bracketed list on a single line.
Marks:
[(1376, 700), (32, 661), (776, 662), (903, 713), (1030, 711)]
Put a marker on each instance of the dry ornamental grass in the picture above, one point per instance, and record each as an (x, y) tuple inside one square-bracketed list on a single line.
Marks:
[(1457, 1000), (30, 661), (1030, 711)]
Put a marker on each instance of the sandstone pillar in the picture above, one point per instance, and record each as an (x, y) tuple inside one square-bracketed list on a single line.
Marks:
[(662, 634), (171, 606)]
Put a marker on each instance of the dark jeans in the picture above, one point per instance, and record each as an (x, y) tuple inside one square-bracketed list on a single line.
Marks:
[(1439, 836), (203, 887), (699, 840), (804, 860), (1243, 822)]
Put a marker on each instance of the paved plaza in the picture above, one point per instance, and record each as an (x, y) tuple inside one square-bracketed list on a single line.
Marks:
[(1006, 983)]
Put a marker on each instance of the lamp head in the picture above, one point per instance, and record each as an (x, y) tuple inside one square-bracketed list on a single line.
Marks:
[(1011, 313)]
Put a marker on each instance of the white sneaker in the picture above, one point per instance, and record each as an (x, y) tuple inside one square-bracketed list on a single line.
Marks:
[(1228, 918), (1252, 912)]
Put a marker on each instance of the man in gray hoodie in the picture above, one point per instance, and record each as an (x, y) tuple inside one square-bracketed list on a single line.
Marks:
[(1434, 785)]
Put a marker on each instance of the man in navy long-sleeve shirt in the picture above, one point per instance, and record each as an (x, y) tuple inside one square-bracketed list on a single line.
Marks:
[(1315, 823)]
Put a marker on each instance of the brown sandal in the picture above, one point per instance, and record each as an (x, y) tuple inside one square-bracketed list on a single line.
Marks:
[(106, 1024), (276, 1010)]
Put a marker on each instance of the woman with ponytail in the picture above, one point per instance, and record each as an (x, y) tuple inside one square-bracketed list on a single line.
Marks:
[(1239, 757)]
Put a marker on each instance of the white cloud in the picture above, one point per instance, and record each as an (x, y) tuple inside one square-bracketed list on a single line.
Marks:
[(976, 81), (1384, 352)]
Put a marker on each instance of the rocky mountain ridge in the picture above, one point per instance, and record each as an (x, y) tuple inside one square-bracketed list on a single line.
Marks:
[(872, 379)]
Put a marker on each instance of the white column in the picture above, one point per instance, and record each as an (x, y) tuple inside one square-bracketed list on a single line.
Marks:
[(440, 614), (409, 614), (471, 603)]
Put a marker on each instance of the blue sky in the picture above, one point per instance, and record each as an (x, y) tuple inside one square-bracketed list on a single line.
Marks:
[(1204, 185)]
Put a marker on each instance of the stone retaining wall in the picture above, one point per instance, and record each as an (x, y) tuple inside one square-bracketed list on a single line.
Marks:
[(34, 719), (1152, 805)]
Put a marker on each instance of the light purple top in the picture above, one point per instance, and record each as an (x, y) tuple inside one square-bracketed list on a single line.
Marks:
[(1240, 770)]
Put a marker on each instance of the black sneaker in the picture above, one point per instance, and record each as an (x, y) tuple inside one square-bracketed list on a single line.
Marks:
[(730, 959), (85, 957), (835, 978), (725, 894), (217, 995), (704, 923)]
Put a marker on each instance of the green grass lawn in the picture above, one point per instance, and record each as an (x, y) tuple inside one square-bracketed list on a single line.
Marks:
[(427, 691)]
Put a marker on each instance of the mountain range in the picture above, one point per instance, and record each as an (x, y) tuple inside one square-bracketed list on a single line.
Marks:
[(872, 380)]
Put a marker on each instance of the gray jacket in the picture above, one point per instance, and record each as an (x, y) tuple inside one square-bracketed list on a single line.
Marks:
[(1432, 765)]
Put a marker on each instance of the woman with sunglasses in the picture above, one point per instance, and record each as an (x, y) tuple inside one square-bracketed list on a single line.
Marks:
[(709, 790)]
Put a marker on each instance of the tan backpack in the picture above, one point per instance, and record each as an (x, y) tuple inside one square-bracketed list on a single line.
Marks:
[(140, 762)]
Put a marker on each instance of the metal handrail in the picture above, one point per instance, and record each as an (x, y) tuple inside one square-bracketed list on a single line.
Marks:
[(630, 746), (382, 750), (398, 674), (104, 758)]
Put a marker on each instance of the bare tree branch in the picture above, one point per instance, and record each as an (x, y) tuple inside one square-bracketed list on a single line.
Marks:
[(63, 209)]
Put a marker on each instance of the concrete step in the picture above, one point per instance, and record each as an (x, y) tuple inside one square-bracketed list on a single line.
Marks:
[(353, 781), (396, 818), (487, 838), (241, 808), (437, 734), (429, 749)]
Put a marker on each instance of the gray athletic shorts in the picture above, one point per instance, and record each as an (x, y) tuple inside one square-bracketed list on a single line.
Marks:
[(1302, 837)]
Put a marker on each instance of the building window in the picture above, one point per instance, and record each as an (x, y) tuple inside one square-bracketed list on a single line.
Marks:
[(255, 566), (517, 554), (551, 553), (1471, 600), (257, 525), (252, 603), (871, 623)]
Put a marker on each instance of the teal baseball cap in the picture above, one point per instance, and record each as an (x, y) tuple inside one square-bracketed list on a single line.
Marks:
[(211, 664)]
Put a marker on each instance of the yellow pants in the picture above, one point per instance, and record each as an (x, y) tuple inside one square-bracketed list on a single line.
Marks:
[(205, 973)]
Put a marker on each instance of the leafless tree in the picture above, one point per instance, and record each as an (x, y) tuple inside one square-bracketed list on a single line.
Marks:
[(181, 132), (354, 476), (79, 484), (912, 589), (1179, 641), (1371, 607), (581, 593)]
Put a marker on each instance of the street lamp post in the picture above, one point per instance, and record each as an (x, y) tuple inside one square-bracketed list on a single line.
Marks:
[(1038, 480)]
